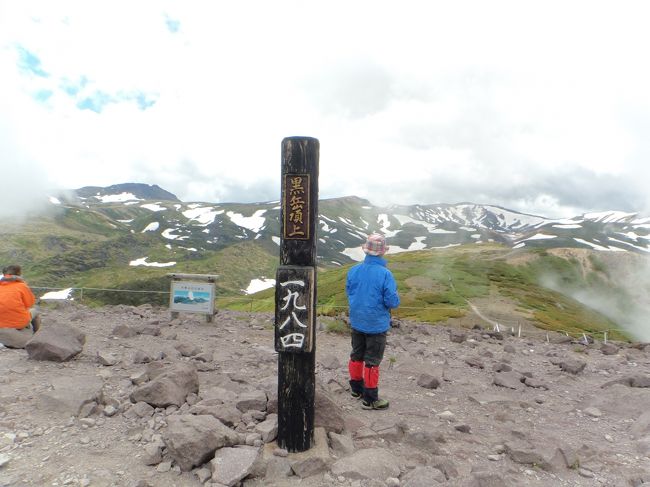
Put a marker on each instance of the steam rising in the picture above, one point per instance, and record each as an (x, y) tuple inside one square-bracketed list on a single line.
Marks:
[(629, 308), (24, 183)]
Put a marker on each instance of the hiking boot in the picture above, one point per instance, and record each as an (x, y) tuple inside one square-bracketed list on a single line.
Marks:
[(378, 404), (356, 388)]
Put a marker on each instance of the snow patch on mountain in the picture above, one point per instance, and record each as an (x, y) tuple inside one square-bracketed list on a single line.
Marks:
[(512, 219), (383, 220), (354, 253), (117, 198), (143, 262), (609, 216), (153, 207), (418, 244), (403, 219), (566, 225), (203, 215), (596, 246), (253, 223), (152, 227), (62, 294), (627, 243), (539, 236), (257, 285), (324, 226), (167, 233)]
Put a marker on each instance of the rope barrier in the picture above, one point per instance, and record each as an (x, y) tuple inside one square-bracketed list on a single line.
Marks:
[(497, 326), (100, 289)]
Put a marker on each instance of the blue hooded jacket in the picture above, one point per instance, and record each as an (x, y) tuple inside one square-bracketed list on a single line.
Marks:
[(372, 293)]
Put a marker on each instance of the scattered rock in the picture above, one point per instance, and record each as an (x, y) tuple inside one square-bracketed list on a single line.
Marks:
[(535, 383), (277, 468), (57, 343), (96, 418), (511, 380), (502, 367), (527, 455), (268, 429), (609, 349), (139, 410), (141, 357), (230, 465), (457, 336), (124, 331), (313, 461), (330, 362), (152, 454), (641, 381), (12, 338), (423, 477), (203, 474), (226, 413), (192, 440), (328, 413), (370, 463), (255, 400), (447, 416), (428, 381), (187, 349), (593, 412), (341, 444), (474, 362), (68, 395), (106, 358), (170, 387), (572, 366)]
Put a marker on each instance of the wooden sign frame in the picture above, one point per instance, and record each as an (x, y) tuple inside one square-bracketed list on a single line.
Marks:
[(294, 315)]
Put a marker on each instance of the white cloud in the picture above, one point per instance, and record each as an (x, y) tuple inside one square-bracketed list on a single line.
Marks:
[(492, 102)]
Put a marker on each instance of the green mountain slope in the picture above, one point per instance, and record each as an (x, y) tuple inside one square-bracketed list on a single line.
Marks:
[(94, 244), (507, 286)]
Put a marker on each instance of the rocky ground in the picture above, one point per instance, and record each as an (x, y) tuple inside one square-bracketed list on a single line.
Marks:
[(151, 401)]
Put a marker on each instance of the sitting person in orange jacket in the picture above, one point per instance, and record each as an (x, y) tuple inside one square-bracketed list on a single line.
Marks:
[(17, 301)]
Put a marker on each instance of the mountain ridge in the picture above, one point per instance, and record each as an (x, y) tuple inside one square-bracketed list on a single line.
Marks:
[(120, 241), (344, 223)]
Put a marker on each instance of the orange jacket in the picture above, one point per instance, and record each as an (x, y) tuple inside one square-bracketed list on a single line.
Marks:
[(15, 300)]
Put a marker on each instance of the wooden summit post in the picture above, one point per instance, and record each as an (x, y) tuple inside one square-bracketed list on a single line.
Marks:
[(295, 294)]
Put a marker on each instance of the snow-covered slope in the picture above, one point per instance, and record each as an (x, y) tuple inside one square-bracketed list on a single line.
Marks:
[(343, 224)]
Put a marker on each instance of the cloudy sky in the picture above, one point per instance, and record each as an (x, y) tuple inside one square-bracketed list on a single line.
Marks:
[(541, 107)]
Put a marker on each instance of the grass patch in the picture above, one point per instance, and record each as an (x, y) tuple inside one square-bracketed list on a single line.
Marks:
[(338, 327)]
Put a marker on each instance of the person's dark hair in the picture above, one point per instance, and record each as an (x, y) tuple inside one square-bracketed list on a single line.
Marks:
[(14, 270)]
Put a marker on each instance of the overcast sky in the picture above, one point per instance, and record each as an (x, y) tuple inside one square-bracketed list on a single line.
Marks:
[(541, 107)]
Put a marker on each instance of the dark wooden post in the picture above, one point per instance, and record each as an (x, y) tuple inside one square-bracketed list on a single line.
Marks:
[(295, 294)]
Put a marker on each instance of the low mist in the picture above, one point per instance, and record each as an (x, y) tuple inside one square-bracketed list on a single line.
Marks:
[(627, 302), (25, 184)]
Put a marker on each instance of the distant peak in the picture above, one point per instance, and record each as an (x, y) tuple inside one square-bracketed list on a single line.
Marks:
[(137, 190), (351, 199)]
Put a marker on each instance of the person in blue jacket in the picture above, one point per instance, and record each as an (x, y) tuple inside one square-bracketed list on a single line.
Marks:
[(372, 293)]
